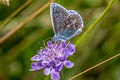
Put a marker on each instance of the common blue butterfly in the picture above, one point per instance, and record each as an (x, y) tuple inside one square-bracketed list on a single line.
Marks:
[(66, 23)]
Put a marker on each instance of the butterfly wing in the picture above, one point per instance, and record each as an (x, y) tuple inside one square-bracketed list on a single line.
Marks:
[(58, 17), (66, 24), (73, 25)]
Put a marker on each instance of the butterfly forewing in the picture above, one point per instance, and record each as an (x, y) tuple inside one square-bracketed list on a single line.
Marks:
[(58, 16), (66, 23)]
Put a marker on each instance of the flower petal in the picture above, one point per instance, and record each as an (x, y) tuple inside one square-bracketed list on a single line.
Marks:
[(55, 75), (44, 51), (71, 49), (59, 67), (39, 52), (36, 66), (49, 43), (47, 71), (68, 64), (52, 63), (35, 58), (63, 44)]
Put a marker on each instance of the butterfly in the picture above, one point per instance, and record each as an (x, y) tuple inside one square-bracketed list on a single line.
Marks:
[(66, 23)]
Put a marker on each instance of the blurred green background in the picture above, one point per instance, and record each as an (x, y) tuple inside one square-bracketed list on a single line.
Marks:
[(102, 42)]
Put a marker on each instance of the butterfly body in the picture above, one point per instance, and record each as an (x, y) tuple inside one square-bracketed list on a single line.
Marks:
[(66, 23)]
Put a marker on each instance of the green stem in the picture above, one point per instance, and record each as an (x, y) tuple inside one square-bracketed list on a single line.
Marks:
[(95, 22), (2, 25)]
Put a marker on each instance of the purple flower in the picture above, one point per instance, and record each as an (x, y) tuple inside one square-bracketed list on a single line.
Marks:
[(53, 58)]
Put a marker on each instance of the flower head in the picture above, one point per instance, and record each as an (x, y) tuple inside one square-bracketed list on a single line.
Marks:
[(53, 58)]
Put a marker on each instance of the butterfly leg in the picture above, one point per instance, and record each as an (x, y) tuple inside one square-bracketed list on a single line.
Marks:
[(68, 43)]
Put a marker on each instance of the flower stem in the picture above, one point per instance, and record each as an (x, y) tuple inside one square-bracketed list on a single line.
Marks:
[(2, 25), (111, 58), (28, 19), (62, 73), (96, 21)]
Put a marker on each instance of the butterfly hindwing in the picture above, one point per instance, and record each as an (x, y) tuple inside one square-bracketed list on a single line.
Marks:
[(73, 25)]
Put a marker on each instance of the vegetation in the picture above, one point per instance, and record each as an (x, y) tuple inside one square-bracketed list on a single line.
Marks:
[(25, 26)]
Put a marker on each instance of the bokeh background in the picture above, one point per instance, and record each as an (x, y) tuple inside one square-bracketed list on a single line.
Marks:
[(102, 42)]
